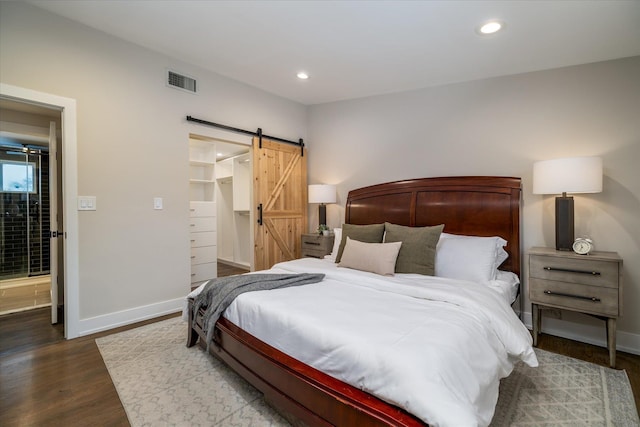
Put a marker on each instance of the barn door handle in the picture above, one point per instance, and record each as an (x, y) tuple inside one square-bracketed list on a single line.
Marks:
[(260, 214)]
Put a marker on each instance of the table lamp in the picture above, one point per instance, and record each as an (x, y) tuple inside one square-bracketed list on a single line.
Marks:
[(322, 194), (562, 176)]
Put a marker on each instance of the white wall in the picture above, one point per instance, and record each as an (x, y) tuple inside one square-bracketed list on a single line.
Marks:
[(501, 126), (132, 147)]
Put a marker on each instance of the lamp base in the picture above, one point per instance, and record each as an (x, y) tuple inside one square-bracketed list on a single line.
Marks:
[(322, 214), (564, 223)]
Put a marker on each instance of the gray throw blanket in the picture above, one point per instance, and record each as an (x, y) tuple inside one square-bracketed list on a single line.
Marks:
[(219, 293)]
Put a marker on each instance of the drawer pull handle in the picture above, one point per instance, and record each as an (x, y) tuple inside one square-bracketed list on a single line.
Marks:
[(193, 256), (560, 294), (568, 270), (312, 243), (193, 274)]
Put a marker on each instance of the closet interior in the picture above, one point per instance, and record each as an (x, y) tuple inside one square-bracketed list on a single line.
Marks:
[(220, 206)]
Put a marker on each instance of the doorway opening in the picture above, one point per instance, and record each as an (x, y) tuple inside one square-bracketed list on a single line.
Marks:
[(220, 213), (28, 196)]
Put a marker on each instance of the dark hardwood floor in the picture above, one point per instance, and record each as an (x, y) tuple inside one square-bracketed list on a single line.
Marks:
[(225, 269), (46, 380)]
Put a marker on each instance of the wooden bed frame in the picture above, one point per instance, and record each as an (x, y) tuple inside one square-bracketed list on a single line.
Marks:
[(480, 206)]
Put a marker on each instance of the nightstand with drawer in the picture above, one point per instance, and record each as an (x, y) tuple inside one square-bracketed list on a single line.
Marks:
[(589, 284), (316, 245)]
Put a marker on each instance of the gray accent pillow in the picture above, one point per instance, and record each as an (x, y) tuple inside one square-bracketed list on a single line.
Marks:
[(418, 251), (371, 233)]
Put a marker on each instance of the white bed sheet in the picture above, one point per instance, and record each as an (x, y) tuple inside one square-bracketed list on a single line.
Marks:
[(435, 347), (506, 284)]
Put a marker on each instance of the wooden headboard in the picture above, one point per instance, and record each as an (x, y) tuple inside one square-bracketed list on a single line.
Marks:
[(470, 205)]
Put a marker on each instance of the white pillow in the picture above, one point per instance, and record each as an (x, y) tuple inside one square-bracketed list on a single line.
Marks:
[(500, 243), (469, 257), (379, 258), (337, 232)]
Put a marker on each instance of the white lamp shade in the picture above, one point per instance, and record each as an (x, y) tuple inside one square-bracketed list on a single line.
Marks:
[(322, 194), (569, 175)]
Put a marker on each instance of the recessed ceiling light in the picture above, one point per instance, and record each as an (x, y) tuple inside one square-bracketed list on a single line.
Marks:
[(491, 27), (302, 75)]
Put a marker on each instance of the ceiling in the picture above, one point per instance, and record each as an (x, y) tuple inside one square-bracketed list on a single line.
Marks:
[(354, 49)]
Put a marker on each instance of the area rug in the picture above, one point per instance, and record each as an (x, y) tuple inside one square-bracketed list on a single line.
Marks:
[(161, 382)]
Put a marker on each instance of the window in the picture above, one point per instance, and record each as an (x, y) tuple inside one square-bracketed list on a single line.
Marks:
[(17, 177)]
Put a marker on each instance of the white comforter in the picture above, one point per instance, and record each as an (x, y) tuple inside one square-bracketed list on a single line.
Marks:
[(433, 346)]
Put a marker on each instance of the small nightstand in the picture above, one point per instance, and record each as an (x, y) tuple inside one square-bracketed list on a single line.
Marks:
[(589, 284), (316, 245)]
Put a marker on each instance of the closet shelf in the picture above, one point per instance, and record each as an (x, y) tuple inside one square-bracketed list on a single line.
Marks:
[(202, 181), (201, 163)]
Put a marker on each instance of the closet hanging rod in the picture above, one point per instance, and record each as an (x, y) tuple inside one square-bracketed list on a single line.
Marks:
[(259, 133)]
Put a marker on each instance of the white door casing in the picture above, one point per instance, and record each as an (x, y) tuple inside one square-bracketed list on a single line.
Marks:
[(70, 194)]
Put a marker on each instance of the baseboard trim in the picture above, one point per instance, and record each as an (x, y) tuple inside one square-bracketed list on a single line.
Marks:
[(126, 317), (625, 341)]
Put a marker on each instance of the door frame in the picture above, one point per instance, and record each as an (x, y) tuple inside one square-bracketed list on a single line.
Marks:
[(53, 221), (222, 135), (69, 194)]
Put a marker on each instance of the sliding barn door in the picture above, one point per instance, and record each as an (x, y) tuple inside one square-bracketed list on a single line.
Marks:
[(280, 196)]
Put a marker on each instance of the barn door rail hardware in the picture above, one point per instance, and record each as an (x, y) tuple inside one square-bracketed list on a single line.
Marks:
[(258, 133)]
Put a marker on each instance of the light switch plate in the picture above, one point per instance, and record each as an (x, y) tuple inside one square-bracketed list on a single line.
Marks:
[(157, 203), (87, 203)]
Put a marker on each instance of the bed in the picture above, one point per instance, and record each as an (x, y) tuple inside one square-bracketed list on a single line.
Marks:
[(307, 395)]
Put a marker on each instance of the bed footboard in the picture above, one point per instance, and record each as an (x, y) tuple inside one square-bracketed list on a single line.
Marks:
[(302, 394)]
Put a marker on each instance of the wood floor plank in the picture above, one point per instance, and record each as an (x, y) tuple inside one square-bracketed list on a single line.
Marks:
[(61, 383), (225, 269), (46, 380), (37, 323)]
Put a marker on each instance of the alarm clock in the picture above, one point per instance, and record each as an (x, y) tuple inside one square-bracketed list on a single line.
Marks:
[(582, 246)]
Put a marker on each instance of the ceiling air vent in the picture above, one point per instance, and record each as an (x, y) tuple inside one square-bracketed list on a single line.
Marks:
[(182, 82)]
